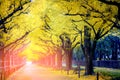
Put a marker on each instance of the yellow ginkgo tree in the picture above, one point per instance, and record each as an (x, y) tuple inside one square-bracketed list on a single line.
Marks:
[(96, 19), (91, 19)]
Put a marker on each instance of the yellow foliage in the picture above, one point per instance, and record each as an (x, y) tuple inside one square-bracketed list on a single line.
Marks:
[(73, 76), (59, 23)]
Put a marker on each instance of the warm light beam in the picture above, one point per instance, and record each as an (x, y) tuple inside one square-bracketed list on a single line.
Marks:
[(28, 63)]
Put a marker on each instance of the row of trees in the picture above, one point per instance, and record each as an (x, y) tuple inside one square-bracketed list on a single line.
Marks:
[(82, 22), (10, 46), (91, 20), (108, 48)]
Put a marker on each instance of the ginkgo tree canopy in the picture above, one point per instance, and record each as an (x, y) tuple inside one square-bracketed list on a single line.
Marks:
[(38, 13)]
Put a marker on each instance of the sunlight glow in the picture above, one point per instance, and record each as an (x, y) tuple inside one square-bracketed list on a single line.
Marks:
[(28, 62)]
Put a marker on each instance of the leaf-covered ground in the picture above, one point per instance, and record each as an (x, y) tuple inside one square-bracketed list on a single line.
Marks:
[(35, 72), (73, 76)]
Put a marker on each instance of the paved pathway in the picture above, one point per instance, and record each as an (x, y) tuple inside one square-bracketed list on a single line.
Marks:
[(34, 72)]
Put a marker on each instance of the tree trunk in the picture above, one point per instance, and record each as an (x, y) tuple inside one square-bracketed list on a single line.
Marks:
[(78, 65), (88, 51), (2, 63), (114, 52), (47, 61), (68, 60), (59, 60), (88, 61), (114, 55), (52, 60), (100, 55), (88, 66)]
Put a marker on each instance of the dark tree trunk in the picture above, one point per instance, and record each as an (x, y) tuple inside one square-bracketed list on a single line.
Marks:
[(67, 47), (114, 51), (78, 65), (118, 11), (87, 51), (88, 66), (68, 60), (100, 55), (114, 55)]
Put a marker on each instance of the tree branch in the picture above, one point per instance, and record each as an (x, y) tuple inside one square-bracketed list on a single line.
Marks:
[(75, 45), (14, 42), (92, 26), (21, 48), (3, 21), (74, 38), (115, 3), (106, 31), (110, 2)]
